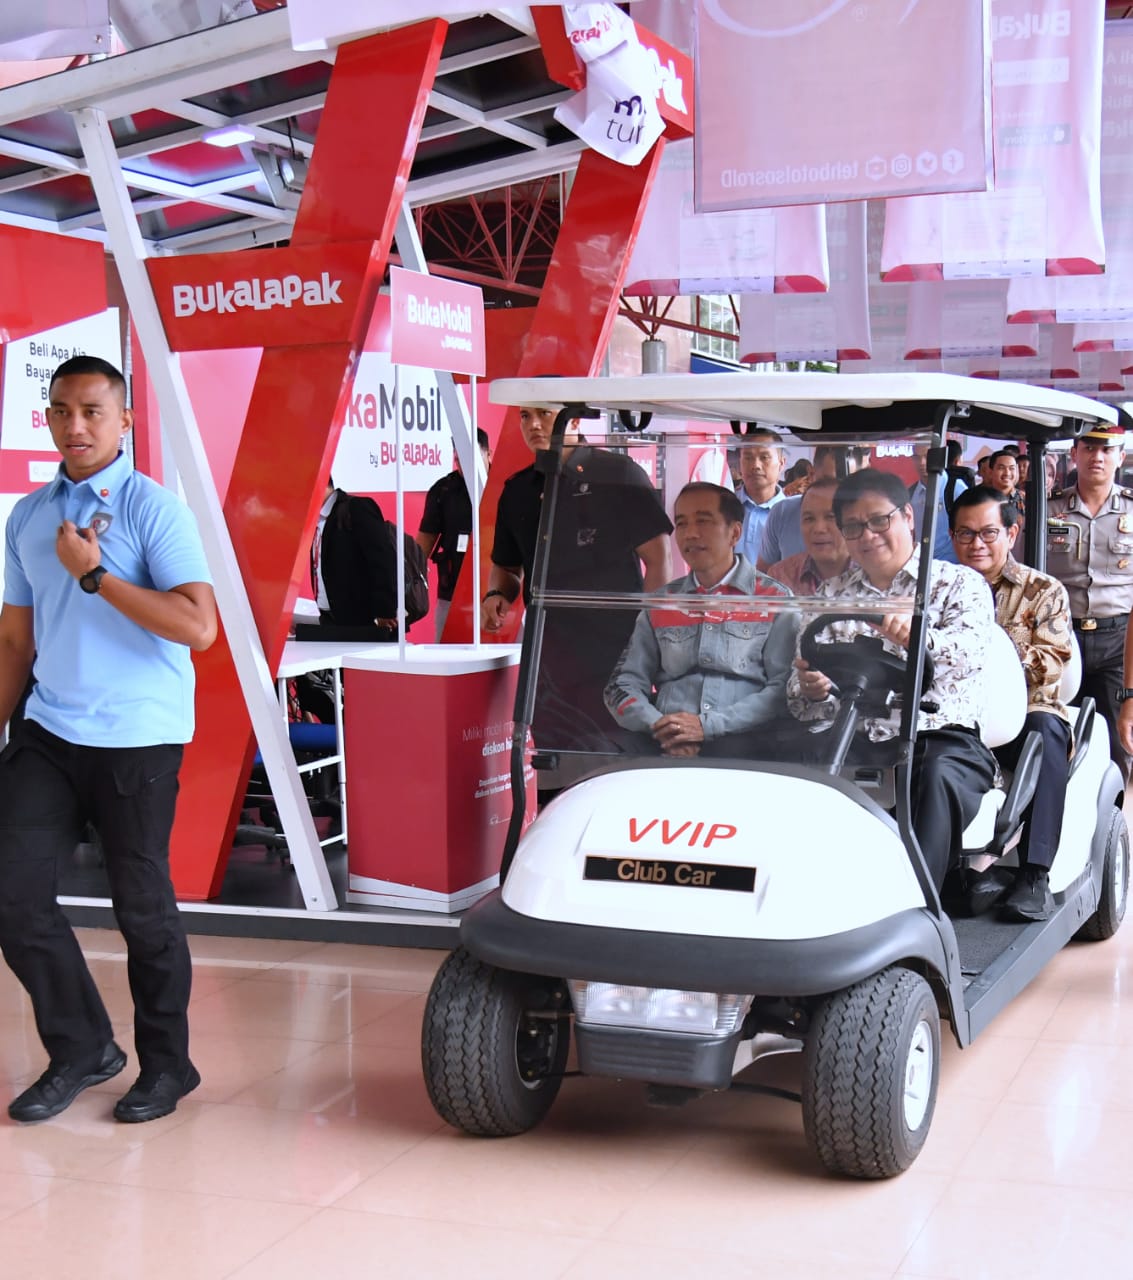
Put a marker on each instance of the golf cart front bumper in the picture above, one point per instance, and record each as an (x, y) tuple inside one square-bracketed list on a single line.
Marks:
[(796, 967)]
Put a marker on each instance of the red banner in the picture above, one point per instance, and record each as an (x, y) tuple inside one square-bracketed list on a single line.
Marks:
[(300, 296), (826, 100)]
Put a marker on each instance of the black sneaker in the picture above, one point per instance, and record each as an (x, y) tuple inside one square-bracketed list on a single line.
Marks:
[(155, 1094), (1030, 899), (62, 1083), (988, 888)]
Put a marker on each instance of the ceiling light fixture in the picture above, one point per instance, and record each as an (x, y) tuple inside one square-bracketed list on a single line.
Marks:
[(232, 136)]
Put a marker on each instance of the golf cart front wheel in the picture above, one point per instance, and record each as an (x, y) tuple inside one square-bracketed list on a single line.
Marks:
[(1114, 893), (493, 1046), (870, 1071)]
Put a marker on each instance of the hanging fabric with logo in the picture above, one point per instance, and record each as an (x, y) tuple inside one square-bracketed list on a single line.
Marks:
[(1043, 216), (616, 113)]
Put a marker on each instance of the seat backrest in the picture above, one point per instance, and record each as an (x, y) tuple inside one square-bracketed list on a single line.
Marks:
[(1005, 692), (1071, 673)]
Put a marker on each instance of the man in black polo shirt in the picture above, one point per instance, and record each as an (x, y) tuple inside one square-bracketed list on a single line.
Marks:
[(446, 528), (611, 534)]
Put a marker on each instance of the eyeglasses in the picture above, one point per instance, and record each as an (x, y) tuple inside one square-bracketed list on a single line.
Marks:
[(987, 534), (853, 529)]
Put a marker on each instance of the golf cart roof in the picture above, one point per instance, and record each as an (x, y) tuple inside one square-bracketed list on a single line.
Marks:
[(816, 402)]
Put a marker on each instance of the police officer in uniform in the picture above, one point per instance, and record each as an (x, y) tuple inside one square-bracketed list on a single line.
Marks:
[(1089, 548)]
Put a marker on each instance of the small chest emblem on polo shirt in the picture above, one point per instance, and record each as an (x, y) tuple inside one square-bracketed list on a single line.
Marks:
[(100, 522)]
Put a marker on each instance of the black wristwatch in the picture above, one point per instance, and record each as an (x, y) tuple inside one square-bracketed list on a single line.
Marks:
[(495, 591), (90, 582), (1123, 694)]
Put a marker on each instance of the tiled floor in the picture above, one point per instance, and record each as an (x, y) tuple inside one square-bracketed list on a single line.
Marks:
[(311, 1150)]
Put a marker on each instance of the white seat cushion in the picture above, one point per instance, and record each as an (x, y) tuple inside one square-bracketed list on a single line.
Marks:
[(978, 833), (1005, 692), (1071, 673)]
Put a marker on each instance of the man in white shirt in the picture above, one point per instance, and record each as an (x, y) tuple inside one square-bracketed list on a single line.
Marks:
[(952, 769)]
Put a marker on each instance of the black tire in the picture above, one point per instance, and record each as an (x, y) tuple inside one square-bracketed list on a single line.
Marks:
[(1106, 920), (493, 1046), (864, 1045)]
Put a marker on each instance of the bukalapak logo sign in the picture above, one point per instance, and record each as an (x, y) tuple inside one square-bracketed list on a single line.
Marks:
[(258, 295)]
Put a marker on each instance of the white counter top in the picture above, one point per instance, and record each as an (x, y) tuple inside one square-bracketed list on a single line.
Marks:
[(301, 656)]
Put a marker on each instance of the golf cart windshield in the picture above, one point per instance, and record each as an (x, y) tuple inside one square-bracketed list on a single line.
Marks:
[(670, 621)]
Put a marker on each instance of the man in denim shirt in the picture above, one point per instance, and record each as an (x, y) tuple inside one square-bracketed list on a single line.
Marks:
[(701, 682)]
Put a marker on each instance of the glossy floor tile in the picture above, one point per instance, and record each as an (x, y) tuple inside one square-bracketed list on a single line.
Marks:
[(311, 1148)]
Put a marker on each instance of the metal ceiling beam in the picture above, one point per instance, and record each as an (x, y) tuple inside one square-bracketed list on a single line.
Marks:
[(462, 111), (468, 181), (489, 53), (200, 63)]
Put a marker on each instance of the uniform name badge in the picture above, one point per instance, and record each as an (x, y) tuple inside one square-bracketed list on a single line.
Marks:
[(1125, 523)]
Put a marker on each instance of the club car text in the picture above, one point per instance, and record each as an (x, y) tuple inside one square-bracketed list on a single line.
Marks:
[(682, 875)]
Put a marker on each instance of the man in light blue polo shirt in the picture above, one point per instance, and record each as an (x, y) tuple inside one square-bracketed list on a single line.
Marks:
[(761, 462), (106, 590)]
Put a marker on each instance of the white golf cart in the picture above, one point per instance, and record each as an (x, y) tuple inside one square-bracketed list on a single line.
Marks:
[(691, 916)]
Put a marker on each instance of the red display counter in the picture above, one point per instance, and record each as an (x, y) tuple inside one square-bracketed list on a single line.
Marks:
[(428, 745)]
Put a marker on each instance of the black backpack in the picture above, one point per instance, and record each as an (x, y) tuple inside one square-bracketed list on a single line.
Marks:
[(416, 575)]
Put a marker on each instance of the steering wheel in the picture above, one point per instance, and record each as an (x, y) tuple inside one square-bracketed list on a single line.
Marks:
[(862, 662)]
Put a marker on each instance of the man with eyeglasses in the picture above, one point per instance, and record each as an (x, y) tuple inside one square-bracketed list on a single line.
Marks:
[(952, 769), (1034, 610), (1089, 549)]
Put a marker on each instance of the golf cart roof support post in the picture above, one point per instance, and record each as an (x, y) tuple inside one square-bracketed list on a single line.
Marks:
[(1034, 528), (910, 705), (549, 463)]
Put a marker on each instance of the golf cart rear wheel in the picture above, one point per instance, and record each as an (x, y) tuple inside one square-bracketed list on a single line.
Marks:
[(870, 1071), (1106, 920), (493, 1046)]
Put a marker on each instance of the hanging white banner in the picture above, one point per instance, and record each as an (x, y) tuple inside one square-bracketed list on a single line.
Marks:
[(964, 318), (826, 100), (1044, 215), (680, 251), (816, 326), (1108, 298)]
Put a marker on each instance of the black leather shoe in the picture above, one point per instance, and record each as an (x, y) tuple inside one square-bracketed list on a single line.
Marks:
[(989, 888), (155, 1094), (1031, 898), (62, 1083)]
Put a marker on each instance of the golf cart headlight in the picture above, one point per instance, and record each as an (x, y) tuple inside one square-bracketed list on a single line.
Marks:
[(611, 1004)]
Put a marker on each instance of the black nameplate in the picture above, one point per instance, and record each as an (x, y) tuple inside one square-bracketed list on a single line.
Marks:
[(682, 875)]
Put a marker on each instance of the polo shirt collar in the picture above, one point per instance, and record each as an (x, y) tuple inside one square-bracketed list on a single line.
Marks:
[(106, 484), (749, 501)]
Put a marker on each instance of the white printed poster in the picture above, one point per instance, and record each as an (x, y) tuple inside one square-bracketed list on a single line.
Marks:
[(366, 459), (28, 366)]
